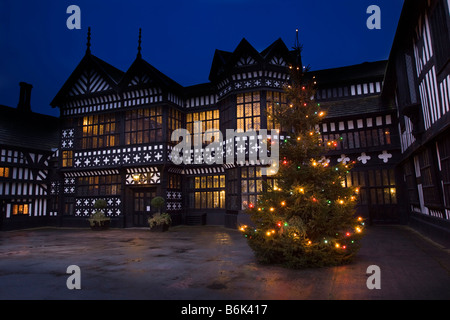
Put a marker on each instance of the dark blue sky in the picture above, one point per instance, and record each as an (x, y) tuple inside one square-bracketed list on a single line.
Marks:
[(179, 37)]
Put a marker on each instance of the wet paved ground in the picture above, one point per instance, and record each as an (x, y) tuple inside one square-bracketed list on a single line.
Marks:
[(209, 263)]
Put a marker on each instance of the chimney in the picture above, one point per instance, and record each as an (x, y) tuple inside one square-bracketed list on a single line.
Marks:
[(25, 96)]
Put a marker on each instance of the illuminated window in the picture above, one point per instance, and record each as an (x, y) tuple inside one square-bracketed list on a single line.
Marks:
[(381, 188), (208, 192), (210, 121), (4, 172), (67, 158), (99, 185), (273, 183), (275, 100), (18, 209), (357, 179), (174, 181), (143, 125), (251, 185), (248, 111), (174, 121), (99, 131)]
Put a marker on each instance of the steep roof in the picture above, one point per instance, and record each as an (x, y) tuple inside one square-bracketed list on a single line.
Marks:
[(110, 74), (28, 129), (349, 74), (199, 89), (354, 106), (349, 106), (220, 60), (114, 73), (245, 55), (277, 46), (140, 67)]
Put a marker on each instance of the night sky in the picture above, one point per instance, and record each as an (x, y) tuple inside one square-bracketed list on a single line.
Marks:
[(179, 37)]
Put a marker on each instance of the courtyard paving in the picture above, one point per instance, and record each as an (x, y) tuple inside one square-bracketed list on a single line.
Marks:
[(209, 263)]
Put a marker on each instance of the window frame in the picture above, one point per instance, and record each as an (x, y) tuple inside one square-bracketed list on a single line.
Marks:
[(107, 185), (99, 131), (251, 186), (5, 172), (205, 190), (248, 111), (20, 209), (143, 125), (210, 121), (274, 99), (67, 158)]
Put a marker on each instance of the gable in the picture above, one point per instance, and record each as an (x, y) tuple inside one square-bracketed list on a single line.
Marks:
[(91, 76), (139, 80), (277, 54), (278, 61), (245, 61), (90, 81), (141, 74), (244, 55), (219, 63)]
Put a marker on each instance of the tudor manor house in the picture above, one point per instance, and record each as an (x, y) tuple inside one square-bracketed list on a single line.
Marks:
[(112, 140)]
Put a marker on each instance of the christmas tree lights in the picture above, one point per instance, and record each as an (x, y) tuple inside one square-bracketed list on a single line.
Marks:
[(309, 219)]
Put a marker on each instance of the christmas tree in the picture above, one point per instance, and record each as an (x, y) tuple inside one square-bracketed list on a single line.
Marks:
[(307, 217)]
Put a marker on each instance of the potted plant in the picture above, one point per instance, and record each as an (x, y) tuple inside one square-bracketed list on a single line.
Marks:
[(157, 202), (98, 220), (159, 221)]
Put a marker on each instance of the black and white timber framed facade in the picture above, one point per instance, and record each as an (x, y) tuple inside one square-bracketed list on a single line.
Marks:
[(389, 118), (418, 83), (28, 158), (116, 135)]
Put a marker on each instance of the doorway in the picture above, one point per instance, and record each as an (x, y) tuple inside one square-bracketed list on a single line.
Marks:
[(142, 209)]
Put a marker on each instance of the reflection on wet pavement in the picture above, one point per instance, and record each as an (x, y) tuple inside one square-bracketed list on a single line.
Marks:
[(202, 262)]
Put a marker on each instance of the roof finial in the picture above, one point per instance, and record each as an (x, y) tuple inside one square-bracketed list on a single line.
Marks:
[(88, 49), (139, 44), (297, 43), (298, 51)]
